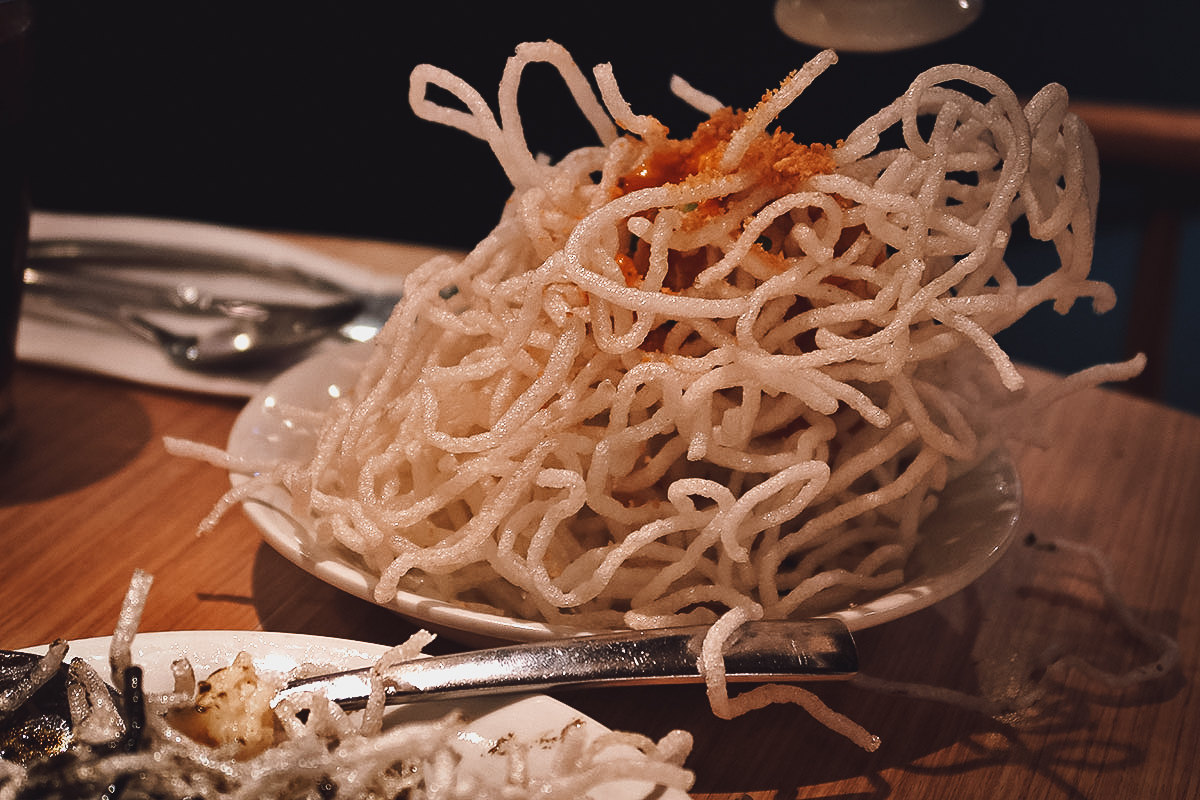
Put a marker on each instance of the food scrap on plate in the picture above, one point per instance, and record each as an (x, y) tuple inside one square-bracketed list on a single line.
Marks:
[(218, 737)]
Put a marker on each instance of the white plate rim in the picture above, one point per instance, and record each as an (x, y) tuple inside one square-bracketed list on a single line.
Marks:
[(971, 530), (534, 718)]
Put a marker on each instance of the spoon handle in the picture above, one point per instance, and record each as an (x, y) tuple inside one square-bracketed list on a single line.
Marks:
[(761, 652)]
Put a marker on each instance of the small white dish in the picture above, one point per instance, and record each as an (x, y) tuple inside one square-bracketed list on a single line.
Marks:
[(532, 718), (97, 346), (874, 26), (971, 529)]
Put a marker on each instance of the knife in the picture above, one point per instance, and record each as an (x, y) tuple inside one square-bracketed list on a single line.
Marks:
[(108, 254), (759, 652), (80, 274)]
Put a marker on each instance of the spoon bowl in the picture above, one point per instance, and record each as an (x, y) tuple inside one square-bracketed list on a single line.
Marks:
[(233, 344), (227, 342)]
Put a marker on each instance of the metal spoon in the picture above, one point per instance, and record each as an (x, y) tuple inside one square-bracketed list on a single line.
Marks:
[(230, 342), (233, 345), (760, 652)]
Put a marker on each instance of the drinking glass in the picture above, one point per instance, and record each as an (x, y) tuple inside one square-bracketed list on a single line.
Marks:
[(15, 58)]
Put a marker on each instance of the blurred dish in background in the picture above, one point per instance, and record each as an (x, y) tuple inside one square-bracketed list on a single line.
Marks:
[(874, 26)]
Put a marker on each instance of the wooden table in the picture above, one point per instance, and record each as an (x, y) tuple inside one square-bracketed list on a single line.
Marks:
[(91, 495)]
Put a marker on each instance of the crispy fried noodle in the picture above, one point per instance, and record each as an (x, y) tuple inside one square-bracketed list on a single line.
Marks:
[(692, 379)]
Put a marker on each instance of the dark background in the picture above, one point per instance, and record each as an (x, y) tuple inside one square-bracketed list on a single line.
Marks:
[(294, 115)]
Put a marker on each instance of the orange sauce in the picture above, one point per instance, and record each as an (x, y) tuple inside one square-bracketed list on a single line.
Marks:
[(776, 159)]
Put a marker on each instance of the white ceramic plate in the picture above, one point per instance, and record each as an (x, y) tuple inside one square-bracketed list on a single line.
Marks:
[(874, 26), (533, 718), (78, 342), (971, 529)]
